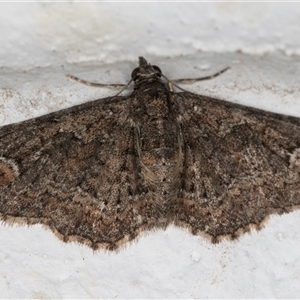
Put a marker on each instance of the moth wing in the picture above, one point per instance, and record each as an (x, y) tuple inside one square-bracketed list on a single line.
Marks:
[(241, 165), (73, 171)]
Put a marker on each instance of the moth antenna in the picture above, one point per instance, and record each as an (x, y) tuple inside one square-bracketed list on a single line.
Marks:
[(94, 84), (192, 80)]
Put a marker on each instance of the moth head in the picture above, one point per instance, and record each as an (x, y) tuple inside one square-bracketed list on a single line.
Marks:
[(145, 71)]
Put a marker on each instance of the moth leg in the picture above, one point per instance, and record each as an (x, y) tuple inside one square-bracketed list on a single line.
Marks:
[(171, 86)]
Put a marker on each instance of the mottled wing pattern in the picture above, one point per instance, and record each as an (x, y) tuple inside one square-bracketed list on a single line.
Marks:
[(102, 172), (241, 165), (74, 171)]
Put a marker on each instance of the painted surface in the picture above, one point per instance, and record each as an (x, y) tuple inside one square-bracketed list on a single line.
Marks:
[(102, 42)]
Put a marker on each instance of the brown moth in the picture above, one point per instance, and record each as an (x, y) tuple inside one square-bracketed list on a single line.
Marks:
[(102, 172)]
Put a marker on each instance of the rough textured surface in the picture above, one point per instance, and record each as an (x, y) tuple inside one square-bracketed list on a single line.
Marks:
[(167, 263), (102, 172)]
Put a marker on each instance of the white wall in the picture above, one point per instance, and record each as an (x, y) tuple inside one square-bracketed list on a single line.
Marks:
[(40, 42)]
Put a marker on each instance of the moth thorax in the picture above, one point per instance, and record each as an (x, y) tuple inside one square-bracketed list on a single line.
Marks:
[(155, 101)]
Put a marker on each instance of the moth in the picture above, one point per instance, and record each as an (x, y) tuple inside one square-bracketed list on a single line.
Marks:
[(103, 172)]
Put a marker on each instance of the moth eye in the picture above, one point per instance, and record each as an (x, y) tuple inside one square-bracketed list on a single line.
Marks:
[(134, 74), (158, 70)]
